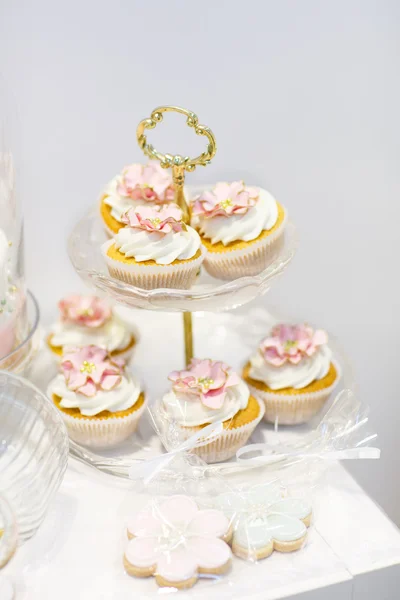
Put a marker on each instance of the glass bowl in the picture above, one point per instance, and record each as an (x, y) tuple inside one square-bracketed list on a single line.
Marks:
[(33, 451), (21, 357), (207, 294)]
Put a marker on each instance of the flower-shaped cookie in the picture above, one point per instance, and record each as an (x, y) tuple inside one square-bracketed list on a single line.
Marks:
[(160, 219), (89, 369), (175, 541), (226, 199), (150, 183), (265, 521), (88, 311), (207, 378), (291, 343)]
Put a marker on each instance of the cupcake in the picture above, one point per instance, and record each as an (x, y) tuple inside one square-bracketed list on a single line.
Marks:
[(293, 373), (101, 404), (136, 185), (206, 392), (155, 249), (89, 320), (241, 227)]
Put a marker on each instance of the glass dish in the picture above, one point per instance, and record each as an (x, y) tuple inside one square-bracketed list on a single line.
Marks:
[(207, 294), (230, 337), (19, 359), (33, 451), (14, 323)]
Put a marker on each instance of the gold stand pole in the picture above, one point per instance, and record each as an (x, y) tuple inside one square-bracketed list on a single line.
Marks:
[(179, 165), (188, 336)]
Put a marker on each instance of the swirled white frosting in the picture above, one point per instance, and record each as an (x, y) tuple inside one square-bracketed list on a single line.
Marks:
[(122, 397), (118, 204), (163, 248), (309, 369), (113, 335), (246, 227), (189, 411)]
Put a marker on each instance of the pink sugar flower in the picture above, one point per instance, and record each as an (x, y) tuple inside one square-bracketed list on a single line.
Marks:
[(226, 199), (163, 219), (206, 378), (150, 183), (291, 343), (89, 311), (89, 369)]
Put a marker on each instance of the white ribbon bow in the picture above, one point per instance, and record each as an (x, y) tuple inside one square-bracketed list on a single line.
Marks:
[(149, 468)]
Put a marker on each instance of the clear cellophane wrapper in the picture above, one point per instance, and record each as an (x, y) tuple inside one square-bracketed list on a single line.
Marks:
[(201, 528)]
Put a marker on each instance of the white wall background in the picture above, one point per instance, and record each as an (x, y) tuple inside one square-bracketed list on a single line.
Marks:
[(303, 97)]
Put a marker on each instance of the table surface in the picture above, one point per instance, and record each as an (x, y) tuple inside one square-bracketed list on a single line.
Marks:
[(78, 550)]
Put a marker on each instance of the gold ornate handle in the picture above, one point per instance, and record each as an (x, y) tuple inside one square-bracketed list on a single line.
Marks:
[(178, 163)]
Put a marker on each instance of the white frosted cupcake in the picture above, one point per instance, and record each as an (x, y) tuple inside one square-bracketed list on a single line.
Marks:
[(101, 404), (89, 320), (241, 227), (206, 392), (293, 373), (155, 249), (137, 184)]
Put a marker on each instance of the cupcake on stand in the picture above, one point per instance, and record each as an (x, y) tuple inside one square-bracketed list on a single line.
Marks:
[(241, 227), (206, 392), (136, 185), (89, 320), (100, 402), (293, 373)]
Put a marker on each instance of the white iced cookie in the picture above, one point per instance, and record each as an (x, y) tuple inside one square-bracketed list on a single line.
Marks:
[(264, 521), (175, 541)]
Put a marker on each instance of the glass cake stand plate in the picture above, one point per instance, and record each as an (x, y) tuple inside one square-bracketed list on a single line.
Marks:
[(207, 294), (230, 337)]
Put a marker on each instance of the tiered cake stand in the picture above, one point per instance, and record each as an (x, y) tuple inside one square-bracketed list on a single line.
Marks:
[(210, 332)]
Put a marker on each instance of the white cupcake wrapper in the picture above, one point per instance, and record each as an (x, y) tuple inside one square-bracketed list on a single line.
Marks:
[(251, 260), (227, 443), (293, 409), (102, 433), (178, 276)]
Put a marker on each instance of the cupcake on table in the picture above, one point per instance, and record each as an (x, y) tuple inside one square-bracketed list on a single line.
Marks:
[(241, 227), (86, 320), (207, 392), (293, 372), (137, 184), (100, 402), (155, 249)]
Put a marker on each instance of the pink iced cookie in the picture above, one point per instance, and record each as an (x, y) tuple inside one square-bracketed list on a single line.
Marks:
[(175, 541)]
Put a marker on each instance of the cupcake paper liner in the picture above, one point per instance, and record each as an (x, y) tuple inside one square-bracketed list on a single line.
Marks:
[(251, 260), (227, 443), (179, 276), (293, 409), (102, 433)]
